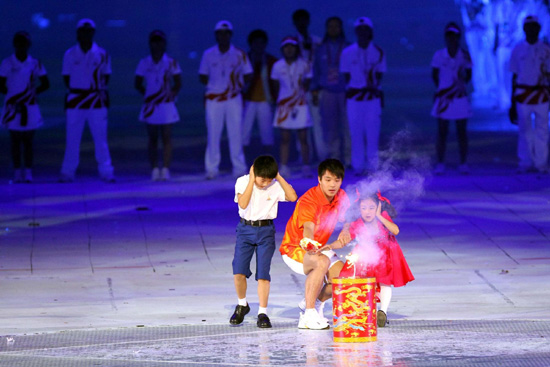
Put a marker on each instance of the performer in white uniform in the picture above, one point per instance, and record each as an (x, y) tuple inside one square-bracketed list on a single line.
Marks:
[(292, 76), (363, 64), (19, 75), (224, 69), (308, 44), (451, 71), (162, 77), (86, 72), (329, 90), (530, 66), (259, 97)]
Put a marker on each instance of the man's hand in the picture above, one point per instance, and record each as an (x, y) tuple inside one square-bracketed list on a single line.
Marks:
[(344, 237)]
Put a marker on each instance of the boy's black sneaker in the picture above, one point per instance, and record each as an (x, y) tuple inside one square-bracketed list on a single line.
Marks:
[(238, 315), (263, 321)]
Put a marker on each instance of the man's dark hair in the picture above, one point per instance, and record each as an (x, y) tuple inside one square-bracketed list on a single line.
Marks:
[(300, 13), (265, 166), (257, 33), (332, 165)]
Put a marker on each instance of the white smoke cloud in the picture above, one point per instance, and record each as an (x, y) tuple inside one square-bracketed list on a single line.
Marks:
[(403, 170)]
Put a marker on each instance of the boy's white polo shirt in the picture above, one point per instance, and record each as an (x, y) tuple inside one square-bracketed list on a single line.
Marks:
[(263, 203), (530, 62), (224, 70), (361, 64), (85, 69)]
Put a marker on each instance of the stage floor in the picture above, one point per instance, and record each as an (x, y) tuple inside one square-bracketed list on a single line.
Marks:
[(138, 273)]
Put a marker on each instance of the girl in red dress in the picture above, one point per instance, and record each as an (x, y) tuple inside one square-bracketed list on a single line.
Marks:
[(377, 253)]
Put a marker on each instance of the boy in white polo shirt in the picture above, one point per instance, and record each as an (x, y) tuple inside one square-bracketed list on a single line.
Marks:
[(257, 194), (224, 69), (363, 64), (530, 65), (86, 72)]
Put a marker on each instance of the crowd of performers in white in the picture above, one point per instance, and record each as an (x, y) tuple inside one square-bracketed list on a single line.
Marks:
[(325, 91)]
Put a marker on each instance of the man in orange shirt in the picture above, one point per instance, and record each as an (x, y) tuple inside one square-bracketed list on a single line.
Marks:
[(315, 217)]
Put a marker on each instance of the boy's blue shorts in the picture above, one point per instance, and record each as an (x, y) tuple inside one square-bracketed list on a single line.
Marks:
[(250, 240)]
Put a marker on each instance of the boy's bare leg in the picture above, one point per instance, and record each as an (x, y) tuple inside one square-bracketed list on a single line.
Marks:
[(333, 272), (240, 285), (315, 267), (263, 291)]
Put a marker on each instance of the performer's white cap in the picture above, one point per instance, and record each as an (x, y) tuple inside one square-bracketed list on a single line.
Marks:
[(363, 21), (223, 25), (289, 41), (531, 19), (83, 22)]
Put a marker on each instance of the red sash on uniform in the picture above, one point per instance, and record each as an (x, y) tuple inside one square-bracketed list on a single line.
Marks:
[(444, 97), (532, 94), (285, 106), (17, 104)]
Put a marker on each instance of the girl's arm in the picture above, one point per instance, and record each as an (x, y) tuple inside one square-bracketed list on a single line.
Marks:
[(391, 226), (177, 84), (44, 84)]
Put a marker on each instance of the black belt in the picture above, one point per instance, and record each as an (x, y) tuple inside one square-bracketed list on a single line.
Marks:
[(257, 223)]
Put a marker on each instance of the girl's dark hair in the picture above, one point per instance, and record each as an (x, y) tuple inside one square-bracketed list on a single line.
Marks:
[(387, 207), (22, 36), (265, 166), (257, 33), (339, 20)]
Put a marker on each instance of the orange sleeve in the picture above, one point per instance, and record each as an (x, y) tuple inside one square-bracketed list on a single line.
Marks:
[(306, 211)]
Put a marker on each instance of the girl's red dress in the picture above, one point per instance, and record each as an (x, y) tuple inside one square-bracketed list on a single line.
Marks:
[(392, 269)]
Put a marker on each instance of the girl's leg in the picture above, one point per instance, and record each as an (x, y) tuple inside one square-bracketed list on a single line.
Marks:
[(302, 136), (441, 146), (462, 139), (27, 139), (385, 297), (15, 137), (166, 145), (152, 147), (285, 145)]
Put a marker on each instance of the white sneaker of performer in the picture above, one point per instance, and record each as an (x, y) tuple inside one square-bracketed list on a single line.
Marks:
[(165, 174), (319, 306), (155, 174), (310, 319)]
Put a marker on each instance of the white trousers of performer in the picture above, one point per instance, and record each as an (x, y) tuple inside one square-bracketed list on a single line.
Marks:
[(364, 124), (217, 114), (97, 122), (318, 134), (334, 119), (263, 113), (533, 135)]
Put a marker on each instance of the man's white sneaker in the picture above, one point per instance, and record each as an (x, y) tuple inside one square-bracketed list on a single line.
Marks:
[(311, 320), (319, 306), (155, 174), (165, 174)]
